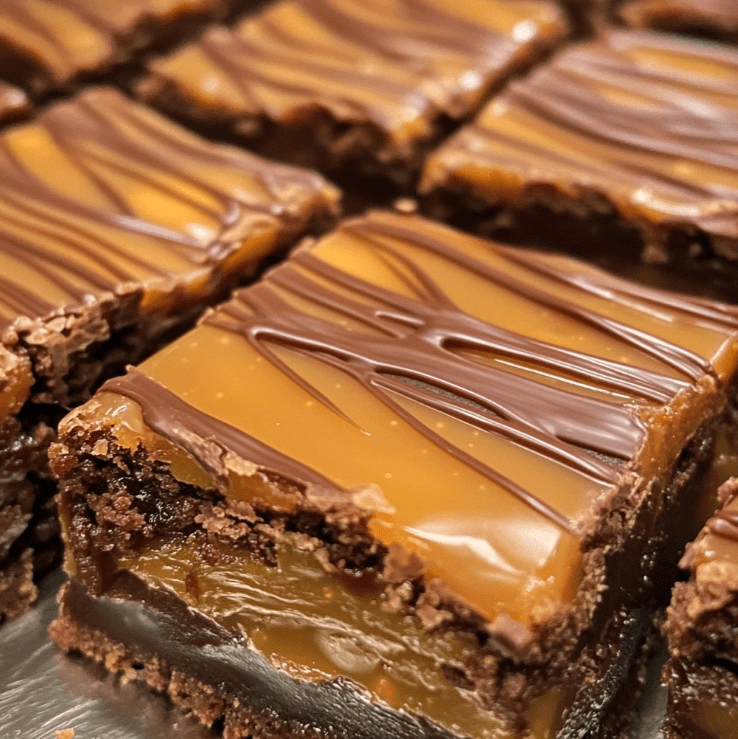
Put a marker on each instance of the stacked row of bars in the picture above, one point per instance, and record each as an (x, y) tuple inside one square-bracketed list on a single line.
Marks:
[(412, 483)]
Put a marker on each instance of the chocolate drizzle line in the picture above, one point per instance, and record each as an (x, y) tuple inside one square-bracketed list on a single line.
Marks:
[(174, 419), (416, 348), (97, 134)]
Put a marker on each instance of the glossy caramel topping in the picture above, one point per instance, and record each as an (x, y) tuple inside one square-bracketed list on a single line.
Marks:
[(100, 193), (481, 400), (647, 119), (318, 628), (65, 38), (396, 63)]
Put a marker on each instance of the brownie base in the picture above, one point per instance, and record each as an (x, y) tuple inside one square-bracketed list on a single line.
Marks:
[(676, 256)]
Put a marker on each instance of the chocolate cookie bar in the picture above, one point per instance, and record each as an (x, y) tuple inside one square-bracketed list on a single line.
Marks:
[(702, 629), (116, 228), (410, 484), (52, 45), (716, 19), (333, 84), (629, 136)]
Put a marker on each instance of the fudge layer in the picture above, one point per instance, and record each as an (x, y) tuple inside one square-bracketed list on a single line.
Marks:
[(716, 19), (116, 228), (51, 45), (630, 134), (702, 630), (335, 83), (496, 447)]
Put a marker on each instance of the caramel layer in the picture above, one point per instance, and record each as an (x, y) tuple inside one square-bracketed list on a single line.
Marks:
[(318, 628), (398, 64), (646, 120), (48, 43), (100, 194), (482, 403)]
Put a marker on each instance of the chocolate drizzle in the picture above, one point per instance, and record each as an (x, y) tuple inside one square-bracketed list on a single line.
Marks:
[(86, 245), (418, 348), (185, 426)]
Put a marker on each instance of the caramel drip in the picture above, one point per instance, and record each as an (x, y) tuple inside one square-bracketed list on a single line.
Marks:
[(649, 119), (397, 63), (88, 238), (185, 426)]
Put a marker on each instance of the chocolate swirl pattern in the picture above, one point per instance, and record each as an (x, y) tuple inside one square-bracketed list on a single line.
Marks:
[(454, 374), (48, 43), (649, 122), (100, 193), (397, 64)]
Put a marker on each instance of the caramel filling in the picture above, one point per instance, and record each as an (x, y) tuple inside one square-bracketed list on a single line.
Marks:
[(320, 627), (479, 401)]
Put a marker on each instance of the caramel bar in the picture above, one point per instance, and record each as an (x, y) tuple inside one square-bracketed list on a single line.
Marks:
[(702, 630), (52, 45), (340, 83), (410, 484), (633, 133), (116, 228)]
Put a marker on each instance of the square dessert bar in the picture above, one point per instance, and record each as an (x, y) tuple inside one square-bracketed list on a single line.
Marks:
[(116, 228), (632, 132), (410, 484), (335, 83), (702, 629), (716, 19), (51, 45)]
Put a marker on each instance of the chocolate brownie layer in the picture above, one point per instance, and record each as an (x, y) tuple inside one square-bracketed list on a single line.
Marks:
[(52, 45), (116, 228), (630, 135), (339, 83), (503, 439)]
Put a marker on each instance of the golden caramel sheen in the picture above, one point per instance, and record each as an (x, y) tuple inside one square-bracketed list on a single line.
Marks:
[(646, 121), (398, 64), (482, 402)]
